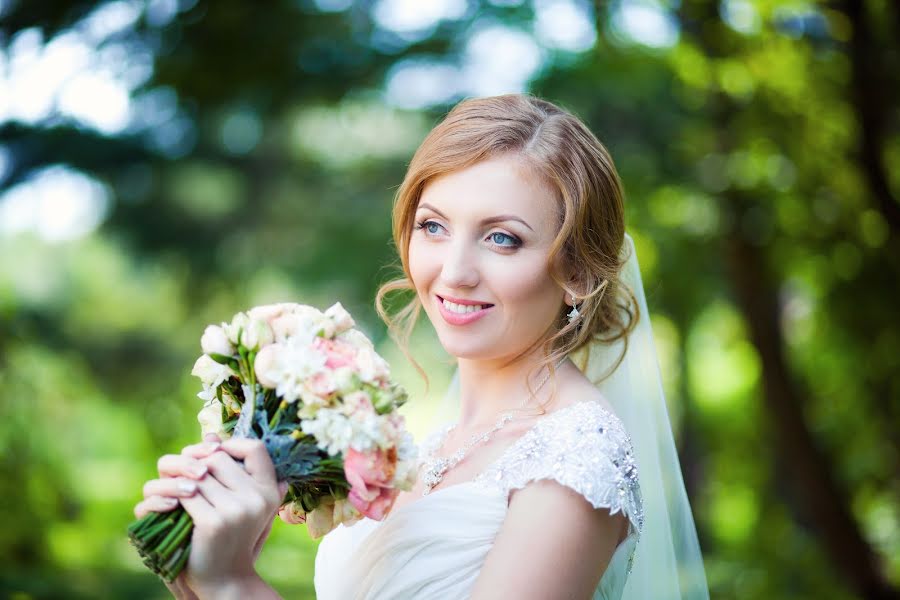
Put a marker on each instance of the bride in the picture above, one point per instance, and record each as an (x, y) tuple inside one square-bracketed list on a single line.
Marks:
[(557, 476)]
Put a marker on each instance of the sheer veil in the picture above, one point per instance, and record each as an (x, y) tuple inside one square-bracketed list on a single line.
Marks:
[(667, 561)]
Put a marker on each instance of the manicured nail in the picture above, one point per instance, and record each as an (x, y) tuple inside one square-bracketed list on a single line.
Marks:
[(169, 501), (198, 470), (187, 487)]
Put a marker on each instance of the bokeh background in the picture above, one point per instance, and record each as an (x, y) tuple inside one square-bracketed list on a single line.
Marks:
[(165, 163)]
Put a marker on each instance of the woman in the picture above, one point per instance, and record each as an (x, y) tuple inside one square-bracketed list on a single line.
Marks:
[(510, 228)]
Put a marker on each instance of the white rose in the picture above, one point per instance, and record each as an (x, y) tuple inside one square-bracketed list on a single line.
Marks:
[(370, 366), (257, 335), (210, 418), (326, 326), (214, 341), (356, 338), (293, 325), (342, 319), (267, 312), (210, 372), (265, 365), (233, 330)]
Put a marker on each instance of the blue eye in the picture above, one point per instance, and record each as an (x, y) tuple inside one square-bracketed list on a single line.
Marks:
[(429, 226), (514, 242)]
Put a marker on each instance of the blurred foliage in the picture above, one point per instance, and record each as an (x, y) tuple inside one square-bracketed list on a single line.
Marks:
[(256, 161)]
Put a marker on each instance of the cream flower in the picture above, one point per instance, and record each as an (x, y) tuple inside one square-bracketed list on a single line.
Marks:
[(341, 318), (233, 329), (211, 373), (210, 418), (214, 341)]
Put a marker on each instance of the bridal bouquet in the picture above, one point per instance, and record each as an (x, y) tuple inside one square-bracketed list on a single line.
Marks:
[(314, 390)]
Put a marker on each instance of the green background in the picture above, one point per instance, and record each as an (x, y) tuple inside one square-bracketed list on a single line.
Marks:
[(164, 164)]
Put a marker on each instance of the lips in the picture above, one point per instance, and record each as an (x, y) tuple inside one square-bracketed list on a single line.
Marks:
[(457, 318)]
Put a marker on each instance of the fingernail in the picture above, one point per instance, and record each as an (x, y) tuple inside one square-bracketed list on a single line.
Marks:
[(187, 487), (169, 501), (198, 470)]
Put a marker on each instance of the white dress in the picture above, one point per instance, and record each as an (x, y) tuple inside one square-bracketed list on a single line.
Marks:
[(434, 546)]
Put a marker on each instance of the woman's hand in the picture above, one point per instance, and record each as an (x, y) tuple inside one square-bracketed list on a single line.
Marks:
[(232, 507)]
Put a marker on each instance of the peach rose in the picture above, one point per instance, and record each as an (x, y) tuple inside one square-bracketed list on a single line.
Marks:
[(292, 513), (328, 515)]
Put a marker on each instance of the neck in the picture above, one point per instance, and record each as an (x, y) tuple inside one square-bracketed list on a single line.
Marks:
[(489, 388)]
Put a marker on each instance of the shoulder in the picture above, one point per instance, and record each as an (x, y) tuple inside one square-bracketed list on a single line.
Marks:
[(581, 448), (575, 489)]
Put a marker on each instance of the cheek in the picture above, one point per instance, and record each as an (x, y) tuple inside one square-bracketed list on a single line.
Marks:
[(423, 265), (531, 291)]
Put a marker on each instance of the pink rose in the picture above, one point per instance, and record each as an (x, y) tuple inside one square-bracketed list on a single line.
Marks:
[(370, 474), (322, 384), (376, 508), (339, 354)]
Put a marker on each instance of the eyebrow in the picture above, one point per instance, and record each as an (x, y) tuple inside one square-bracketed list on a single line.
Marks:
[(487, 221)]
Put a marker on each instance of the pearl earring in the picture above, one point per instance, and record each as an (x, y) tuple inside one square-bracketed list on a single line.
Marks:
[(573, 314)]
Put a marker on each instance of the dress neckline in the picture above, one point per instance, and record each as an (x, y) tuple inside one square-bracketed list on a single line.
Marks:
[(503, 455)]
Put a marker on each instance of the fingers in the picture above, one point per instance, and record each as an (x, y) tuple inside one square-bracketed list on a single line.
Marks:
[(232, 474), (175, 465), (229, 484), (170, 487), (154, 504), (257, 461), (200, 450)]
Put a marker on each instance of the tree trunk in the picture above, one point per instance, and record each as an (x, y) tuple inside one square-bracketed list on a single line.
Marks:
[(824, 503), (870, 96)]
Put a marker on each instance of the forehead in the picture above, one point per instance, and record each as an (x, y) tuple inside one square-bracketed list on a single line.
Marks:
[(499, 185)]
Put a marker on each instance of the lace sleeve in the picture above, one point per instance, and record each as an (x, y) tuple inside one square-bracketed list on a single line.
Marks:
[(583, 447)]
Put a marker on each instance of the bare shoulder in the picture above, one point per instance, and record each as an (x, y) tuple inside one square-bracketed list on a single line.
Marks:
[(569, 529), (573, 387)]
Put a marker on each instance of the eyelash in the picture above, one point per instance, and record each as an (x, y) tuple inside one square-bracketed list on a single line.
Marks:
[(516, 242)]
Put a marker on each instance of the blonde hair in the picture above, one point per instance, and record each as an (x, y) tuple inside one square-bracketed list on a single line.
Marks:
[(570, 161)]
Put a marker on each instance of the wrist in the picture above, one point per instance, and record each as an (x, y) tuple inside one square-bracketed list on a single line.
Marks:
[(249, 585)]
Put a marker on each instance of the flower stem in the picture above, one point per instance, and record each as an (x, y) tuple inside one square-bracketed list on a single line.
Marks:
[(277, 416)]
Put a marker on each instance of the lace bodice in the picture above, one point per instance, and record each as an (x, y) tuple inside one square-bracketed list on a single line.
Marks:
[(435, 546), (582, 446)]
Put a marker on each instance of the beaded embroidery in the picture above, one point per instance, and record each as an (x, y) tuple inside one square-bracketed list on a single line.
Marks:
[(582, 446)]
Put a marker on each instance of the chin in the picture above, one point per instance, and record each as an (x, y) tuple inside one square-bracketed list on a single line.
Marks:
[(471, 349), (460, 348)]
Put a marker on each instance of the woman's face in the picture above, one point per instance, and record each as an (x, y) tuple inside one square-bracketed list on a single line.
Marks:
[(480, 245)]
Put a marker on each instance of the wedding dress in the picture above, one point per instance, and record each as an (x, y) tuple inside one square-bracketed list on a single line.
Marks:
[(433, 547)]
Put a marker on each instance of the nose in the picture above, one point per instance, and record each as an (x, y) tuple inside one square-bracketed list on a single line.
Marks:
[(460, 267)]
